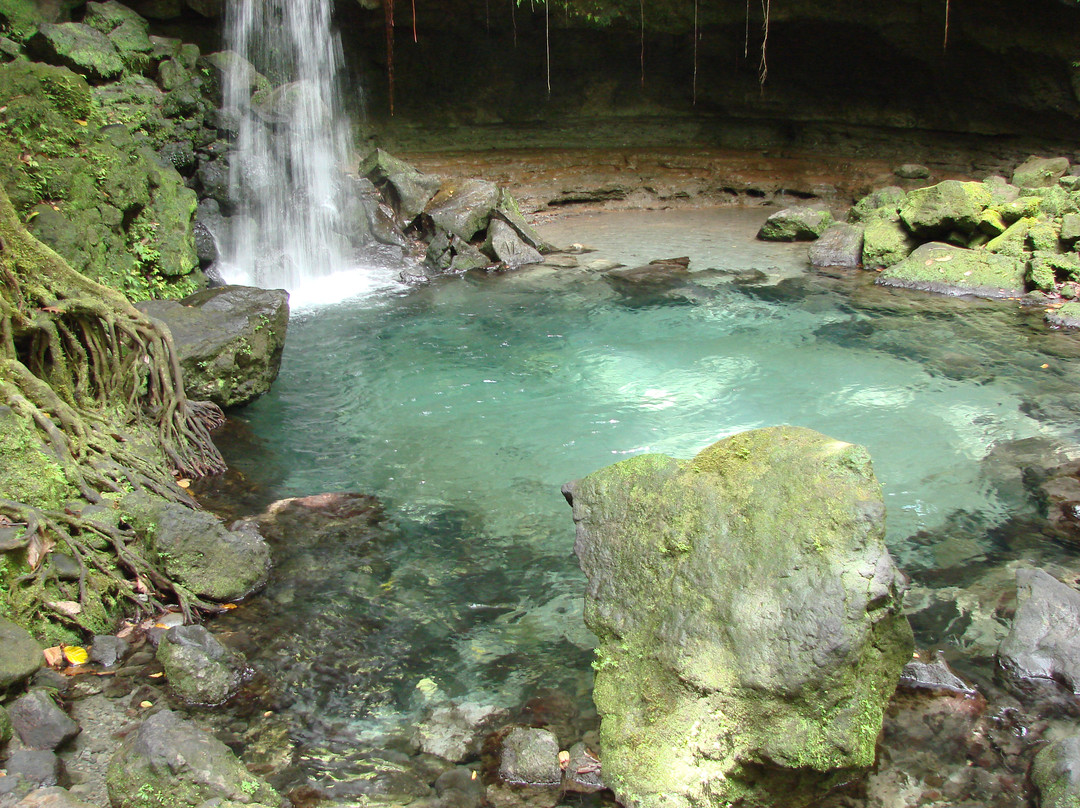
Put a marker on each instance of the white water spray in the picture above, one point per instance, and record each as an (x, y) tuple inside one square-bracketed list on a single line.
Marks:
[(287, 168)]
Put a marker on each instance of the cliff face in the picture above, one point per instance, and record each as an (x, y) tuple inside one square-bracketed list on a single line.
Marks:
[(997, 69)]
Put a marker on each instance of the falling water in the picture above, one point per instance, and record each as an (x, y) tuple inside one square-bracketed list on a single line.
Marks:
[(286, 170)]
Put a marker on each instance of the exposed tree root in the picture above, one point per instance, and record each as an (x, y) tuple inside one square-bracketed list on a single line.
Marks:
[(95, 376)]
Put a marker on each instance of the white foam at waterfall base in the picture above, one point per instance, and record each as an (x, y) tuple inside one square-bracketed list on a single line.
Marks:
[(348, 285)]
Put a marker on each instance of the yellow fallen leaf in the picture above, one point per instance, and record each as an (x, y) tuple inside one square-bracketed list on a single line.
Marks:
[(1044, 366), (228, 606), (564, 759), (157, 675), (145, 704), (184, 483), (76, 655), (82, 123)]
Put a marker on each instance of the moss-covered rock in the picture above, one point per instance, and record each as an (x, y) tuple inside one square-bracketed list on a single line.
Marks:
[(21, 658), (19, 19), (1013, 240), (1056, 773), (748, 615), (126, 30), (796, 224), (885, 243), (880, 205), (948, 206), (1066, 316), (30, 471), (168, 762), (949, 270), (1047, 268), (80, 48), (1039, 172), (199, 668)]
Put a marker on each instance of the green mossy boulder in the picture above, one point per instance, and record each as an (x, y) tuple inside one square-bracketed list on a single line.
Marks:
[(749, 619), (1047, 268), (796, 224), (199, 669), (1070, 228), (169, 762), (885, 243), (19, 19), (30, 472), (880, 205), (1039, 172), (1066, 316), (943, 208), (80, 48), (1013, 240), (949, 270)]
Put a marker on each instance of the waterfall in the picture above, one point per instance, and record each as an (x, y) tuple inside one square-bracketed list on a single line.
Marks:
[(286, 170)]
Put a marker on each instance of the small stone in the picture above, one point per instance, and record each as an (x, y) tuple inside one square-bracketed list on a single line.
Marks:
[(39, 722), (936, 675), (583, 773), (839, 246), (51, 797), (796, 224), (107, 650), (912, 171), (530, 757)]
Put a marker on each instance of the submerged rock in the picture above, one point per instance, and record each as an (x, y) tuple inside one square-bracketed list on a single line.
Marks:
[(455, 732), (1056, 773), (796, 224), (229, 340), (749, 619), (170, 761), (530, 757), (949, 270), (1044, 639)]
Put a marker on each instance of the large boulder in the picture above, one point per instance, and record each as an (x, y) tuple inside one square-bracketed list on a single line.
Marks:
[(198, 551), (463, 208), (406, 189), (229, 340), (530, 756), (1044, 639), (199, 668), (940, 209), (1040, 172), (168, 761), (748, 615), (22, 655), (949, 270), (885, 243), (455, 732), (80, 48), (796, 224), (39, 721)]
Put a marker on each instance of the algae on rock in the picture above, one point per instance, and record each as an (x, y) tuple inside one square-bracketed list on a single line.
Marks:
[(749, 619)]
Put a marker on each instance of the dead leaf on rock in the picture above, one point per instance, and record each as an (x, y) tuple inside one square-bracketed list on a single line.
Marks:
[(70, 608), (54, 657)]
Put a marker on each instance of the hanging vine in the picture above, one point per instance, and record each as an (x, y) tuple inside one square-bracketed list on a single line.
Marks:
[(694, 88), (763, 69), (547, 45), (388, 18), (641, 12), (945, 42)]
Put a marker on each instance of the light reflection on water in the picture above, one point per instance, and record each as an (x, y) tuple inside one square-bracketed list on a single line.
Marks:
[(465, 405)]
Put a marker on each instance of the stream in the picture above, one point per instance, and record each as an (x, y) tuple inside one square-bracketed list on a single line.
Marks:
[(463, 405)]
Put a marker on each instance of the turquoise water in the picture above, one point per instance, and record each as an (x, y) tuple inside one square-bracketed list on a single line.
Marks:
[(465, 404)]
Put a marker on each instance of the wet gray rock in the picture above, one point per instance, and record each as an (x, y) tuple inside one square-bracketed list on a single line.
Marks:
[(796, 224), (839, 246), (33, 768), (179, 765), (199, 668), (39, 722), (107, 650), (463, 208), (455, 732), (1040, 172), (935, 675), (1059, 492), (912, 171), (22, 655), (51, 797), (507, 209), (205, 244), (504, 243), (229, 340), (1056, 773), (406, 189), (220, 564), (530, 757), (751, 582), (583, 771), (1044, 639)]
